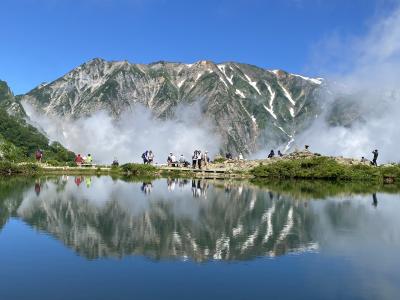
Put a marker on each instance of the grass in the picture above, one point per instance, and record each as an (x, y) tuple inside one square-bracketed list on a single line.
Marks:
[(324, 168), (9, 168)]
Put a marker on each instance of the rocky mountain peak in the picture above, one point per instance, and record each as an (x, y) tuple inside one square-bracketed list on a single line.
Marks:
[(249, 106)]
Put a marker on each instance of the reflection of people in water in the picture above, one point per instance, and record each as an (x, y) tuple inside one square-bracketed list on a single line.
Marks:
[(183, 182), (78, 180), (88, 181), (37, 187), (171, 184), (146, 187), (199, 188), (227, 187), (374, 200)]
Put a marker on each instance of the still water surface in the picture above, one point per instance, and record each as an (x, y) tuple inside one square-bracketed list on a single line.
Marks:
[(104, 238)]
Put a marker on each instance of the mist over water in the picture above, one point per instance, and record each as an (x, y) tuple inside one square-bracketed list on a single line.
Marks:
[(366, 70), (132, 133)]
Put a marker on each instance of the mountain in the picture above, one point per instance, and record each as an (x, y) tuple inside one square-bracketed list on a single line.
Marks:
[(250, 107), (8, 102), (18, 139)]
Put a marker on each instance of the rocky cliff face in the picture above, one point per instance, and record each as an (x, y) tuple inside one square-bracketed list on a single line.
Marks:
[(9, 102), (250, 107)]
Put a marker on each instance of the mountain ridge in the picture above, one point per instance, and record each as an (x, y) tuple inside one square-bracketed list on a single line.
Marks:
[(250, 107)]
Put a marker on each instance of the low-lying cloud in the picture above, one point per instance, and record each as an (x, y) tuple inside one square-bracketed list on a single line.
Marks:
[(369, 75), (127, 137)]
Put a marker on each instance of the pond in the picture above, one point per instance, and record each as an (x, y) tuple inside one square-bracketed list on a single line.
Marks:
[(109, 238)]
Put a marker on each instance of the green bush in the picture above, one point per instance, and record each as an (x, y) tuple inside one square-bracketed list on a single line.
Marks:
[(219, 160), (139, 169), (316, 168), (9, 168)]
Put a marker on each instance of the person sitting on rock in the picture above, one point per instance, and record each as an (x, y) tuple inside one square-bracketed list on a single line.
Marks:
[(271, 154), (89, 159), (363, 159), (280, 153), (241, 156)]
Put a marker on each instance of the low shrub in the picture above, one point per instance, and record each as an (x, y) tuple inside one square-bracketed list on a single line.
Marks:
[(9, 168), (139, 169), (316, 168)]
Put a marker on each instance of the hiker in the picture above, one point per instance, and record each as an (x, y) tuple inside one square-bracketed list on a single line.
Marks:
[(374, 160), (199, 158), (205, 159), (271, 154), (363, 159), (171, 160), (144, 157), (78, 160), (194, 159), (89, 159), (174, 161), (39, 155), (228, 155), (115, 162), (150, 157), (182, 161), (240, 156), (280, 153), (306, 147)]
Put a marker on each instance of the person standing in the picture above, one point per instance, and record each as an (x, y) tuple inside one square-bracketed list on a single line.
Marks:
[(144, 157), (150, 157), (39, 155), (199, 156), (375, 159)]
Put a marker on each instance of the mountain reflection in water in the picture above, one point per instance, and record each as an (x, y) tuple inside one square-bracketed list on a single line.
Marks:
[(176, 218)]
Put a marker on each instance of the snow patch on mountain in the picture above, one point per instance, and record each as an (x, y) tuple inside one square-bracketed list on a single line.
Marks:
[(253, 84), (240, 93)]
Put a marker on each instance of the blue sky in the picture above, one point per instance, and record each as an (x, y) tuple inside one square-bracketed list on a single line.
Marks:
[(43, 39)]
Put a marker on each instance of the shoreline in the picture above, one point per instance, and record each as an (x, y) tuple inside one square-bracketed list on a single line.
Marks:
[(297, 165)]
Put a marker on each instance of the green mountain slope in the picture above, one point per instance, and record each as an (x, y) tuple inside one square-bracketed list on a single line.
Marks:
[(18, 139)]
